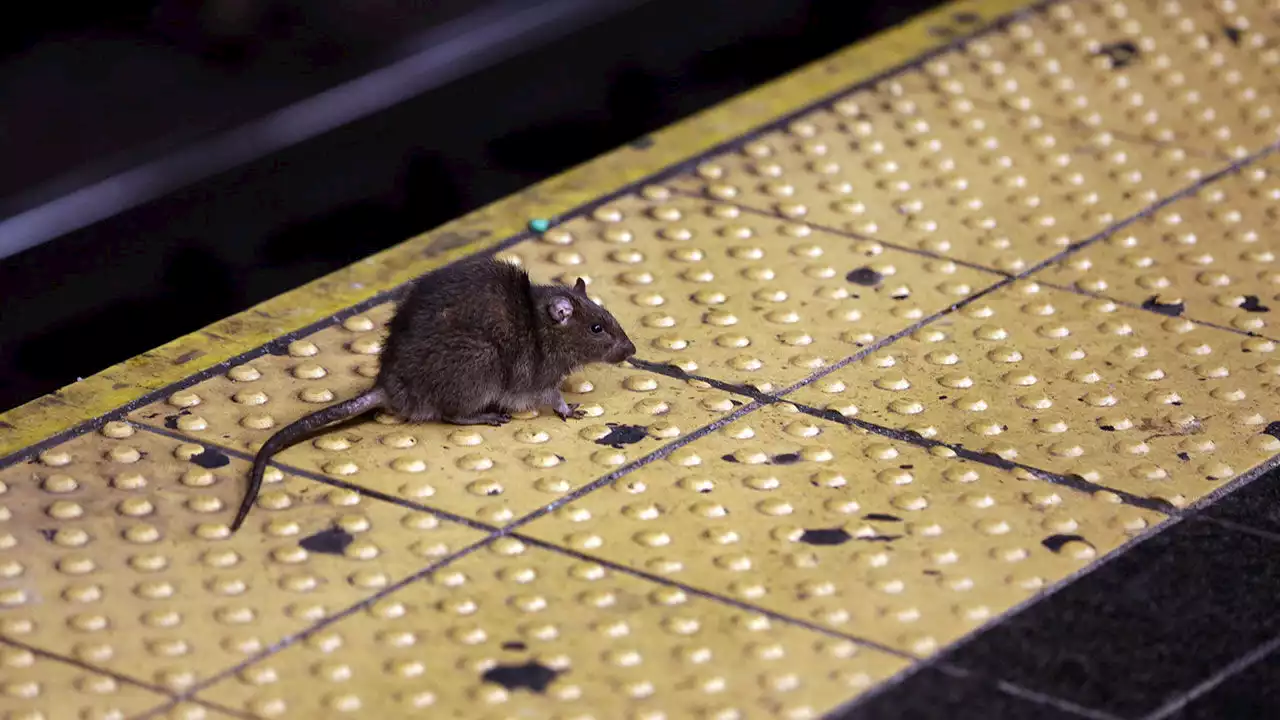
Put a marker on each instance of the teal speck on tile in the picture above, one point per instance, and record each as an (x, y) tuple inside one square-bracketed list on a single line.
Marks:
[(539, 225)]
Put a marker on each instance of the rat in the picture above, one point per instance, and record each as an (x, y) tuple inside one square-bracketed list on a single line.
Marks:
[(469, 344)]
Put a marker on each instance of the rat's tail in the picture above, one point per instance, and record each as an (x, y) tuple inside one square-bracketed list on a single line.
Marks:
[(295, 431)]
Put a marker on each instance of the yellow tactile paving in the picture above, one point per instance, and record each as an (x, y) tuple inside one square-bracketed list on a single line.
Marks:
[(1166, 71), (115, 553), (904, 164), (1210, 256), (1154, 406), (846, 529), (740, 296), (493, 475), (37, 687), (515, 631), (732, 558), (191, 711)]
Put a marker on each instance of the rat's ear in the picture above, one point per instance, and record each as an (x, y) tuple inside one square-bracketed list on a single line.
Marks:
[(580, 287), (560, 309)]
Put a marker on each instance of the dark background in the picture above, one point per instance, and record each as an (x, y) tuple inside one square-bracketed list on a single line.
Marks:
[(92, 91)]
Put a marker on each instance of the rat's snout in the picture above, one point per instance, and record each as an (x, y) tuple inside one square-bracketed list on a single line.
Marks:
[(622, 351)]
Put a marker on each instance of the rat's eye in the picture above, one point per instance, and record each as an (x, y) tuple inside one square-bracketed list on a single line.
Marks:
[(597, 328)]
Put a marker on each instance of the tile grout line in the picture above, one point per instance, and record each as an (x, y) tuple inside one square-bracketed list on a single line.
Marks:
[(1071, 288), (172, 703), (1177, 196), (362, 490), (716, 597), (1078, 126), (986, 270), (849, 234), (1247, 529), (189, 694), (992, 26), (1192, 513), (1063, 704), (1211, 683), (87, 667), (911, 437)]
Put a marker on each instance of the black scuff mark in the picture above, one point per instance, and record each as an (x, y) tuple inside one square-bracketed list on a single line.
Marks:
[(1107, 428), (171, 421), (333, 541), (1171, 309), (881, 517), (1184, 457), (1251, 304), (865, 277), (1272, 429), (1232, 34), (786, 458), (825, 536), (879, 538), (729, 458), (1122, 54), (211, 459), (48, 533), (620, 435), (532, 676), (1057, 542), (514, 646), (901, 294)]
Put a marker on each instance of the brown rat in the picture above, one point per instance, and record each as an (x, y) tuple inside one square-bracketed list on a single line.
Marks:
[(471, 343)]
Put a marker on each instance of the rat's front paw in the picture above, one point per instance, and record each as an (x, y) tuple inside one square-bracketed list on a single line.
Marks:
[(570, 410)]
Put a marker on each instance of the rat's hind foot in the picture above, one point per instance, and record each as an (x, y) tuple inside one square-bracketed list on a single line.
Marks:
[(486, 418)]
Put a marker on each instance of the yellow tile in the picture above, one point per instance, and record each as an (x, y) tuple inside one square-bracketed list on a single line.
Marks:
[(36, 687), (115, 552), (1212, 252), (1161, 70), (858, 533), (492, 474), (191, 711), (909, 165), (246, 403), (573, 638), (744, 297), (1157, 407)]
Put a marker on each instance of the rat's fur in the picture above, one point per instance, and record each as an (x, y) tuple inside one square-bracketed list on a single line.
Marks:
[(470, 344)]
